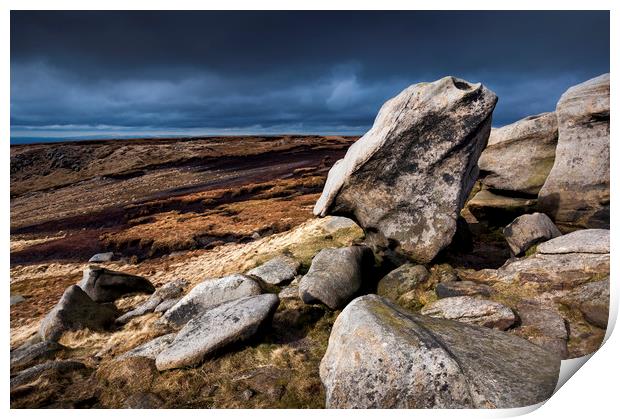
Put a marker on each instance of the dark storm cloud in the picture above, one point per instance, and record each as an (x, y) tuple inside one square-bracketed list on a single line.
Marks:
[(282, 71)]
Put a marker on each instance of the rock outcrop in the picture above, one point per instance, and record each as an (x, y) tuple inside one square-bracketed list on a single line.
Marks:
[(210, 293), (576, 192), (471, 310), (75, 310), (231, 322), (406, 179), (529, 229), (103, 285), (519, 156), (335, 276), (381, 356), (276, 271)]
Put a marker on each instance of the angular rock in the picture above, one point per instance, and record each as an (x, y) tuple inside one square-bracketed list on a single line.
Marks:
[(581, 241), (497, 209), (592, 299), (75, 311), (381, 356), (519, 156), (33, 373), (102, 257), (166, 305), (24, 356), (276, 271), (104, 285), (147, 307), (169, 293), (576, 192), (406, 179), (544, 327), (335, 276), (462, 288), (210, 293), (401, 280), (149, 349), (291, 291), (528, 230), (472, 310), (231, 322)]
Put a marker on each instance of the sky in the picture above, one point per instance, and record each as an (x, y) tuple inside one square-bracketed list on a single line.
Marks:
[(95, 74)]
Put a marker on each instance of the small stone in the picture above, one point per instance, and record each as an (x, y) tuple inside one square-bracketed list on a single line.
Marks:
[(102, 257), (16, 299), (529, 229)]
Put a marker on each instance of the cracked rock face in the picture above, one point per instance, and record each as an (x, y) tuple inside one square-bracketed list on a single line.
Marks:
[(381, 356), (576, 192), (407, 178)]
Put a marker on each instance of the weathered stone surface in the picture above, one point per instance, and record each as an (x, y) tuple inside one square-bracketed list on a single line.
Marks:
[(543, 326), (291, 291), (210, 293), (166, 305), (576, 192), (407, 178), (102, 257), (151, 348), (381, 356), (276, 271), (462, 288), (472, 310), (75, 311), (519, 156), (147, 307), (335, 276), (592, 299), (169, 293), (581, 241), (497, 209), (401, 280), (24, 356), (231, 322), (528, 230), (33, 373), (104, 285)]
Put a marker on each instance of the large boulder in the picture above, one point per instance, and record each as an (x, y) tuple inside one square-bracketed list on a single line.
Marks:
[(519, 156), (471, 310), (335, 276), (276, 271), (210, 293), (528, 230), (576, 192), (406, 179), (582, 241), (381, 356), (75, 311), (104, 285), (231, 322)]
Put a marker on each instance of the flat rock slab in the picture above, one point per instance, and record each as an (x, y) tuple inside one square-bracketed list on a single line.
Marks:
[(407, 178), (529, 229), (149, 349), (24, 356), (33, 373), (462, 288), (581, 241), (169, 293), (472, 310), (75, 311), (104, 285), (276, 271), (499, 210), (231, 322), (335, 275), (210, 293), (381, 356)]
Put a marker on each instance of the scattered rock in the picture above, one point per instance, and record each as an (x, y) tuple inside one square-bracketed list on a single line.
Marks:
[(499, 210), (335, 276), (230, 322), (75, 311), (162, 299), (102, 257), (592, 299), (408, 177), (462, 288), (576, 192), (32, 373), (16, 299), (24, 356), (544, 327), (401, 280), (276, 271), (528, 230), (143, 401), (519, 156), (166, 305), (147, 307), (381, 356), (210, 293), (472, 310), (581, 241), (150, 349), (104, 285)]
